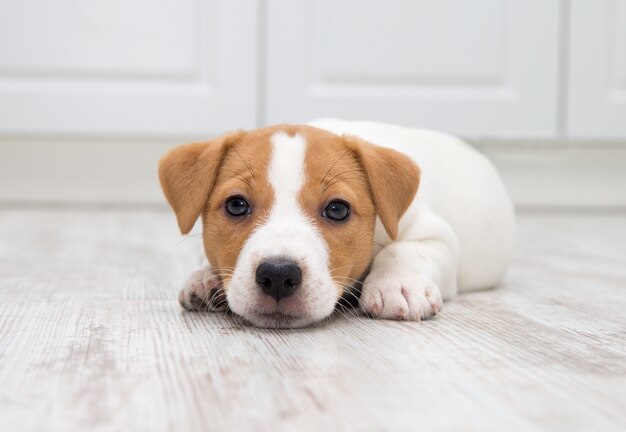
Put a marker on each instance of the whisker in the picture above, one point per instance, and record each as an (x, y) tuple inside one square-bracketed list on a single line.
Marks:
[(330, 182), (345, 172), (245, 162), (347, 281), (357, 298), (333, 165), (187, 237), (347, 278), (343, 311), (238, 175), (339, 268), (348, 313), (384, 248)]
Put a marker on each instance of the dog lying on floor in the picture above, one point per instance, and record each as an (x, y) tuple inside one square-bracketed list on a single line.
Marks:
[(295, 217)]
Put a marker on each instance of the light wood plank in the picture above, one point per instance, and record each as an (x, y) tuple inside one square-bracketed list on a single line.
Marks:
[(92, 338)]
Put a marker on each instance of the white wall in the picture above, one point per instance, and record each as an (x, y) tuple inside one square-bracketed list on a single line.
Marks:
[(118, 67), (91, 93), (471, 68)]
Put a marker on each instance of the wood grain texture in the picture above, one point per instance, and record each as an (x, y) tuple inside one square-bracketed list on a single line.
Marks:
[(92, 338)]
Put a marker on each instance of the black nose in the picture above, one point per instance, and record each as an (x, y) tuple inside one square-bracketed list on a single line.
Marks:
[(278, 278)]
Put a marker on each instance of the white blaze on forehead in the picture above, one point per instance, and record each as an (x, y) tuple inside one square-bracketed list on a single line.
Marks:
[(288, 232), (286, 170)]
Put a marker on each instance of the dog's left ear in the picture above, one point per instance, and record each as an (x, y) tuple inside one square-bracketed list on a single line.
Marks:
[(187, 174), (393, 178)]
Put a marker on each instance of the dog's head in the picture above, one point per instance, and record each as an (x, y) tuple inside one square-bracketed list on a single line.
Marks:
[(288, 214)]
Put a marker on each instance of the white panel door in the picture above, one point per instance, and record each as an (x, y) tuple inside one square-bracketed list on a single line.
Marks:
[(597, 83), (127, 66), (476, 68)]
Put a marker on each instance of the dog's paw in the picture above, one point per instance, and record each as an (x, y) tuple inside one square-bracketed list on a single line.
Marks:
[(400, 296), (203, 291)]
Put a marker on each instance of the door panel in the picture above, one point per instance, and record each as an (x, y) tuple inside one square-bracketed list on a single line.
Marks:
[(597, 66), (486, 67), (127, 67)]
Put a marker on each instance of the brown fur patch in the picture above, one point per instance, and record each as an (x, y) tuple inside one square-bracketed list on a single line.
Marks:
[(243, 172), (187, 174), (333, 171), (393, 179)]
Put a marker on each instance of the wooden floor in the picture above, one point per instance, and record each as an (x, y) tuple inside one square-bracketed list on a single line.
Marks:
[(92, 338)]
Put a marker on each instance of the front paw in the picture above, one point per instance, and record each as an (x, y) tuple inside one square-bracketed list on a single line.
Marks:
[(400, 296), (203, 291)]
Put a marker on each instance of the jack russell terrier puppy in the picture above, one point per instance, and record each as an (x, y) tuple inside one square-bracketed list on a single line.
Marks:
[(295, 217)]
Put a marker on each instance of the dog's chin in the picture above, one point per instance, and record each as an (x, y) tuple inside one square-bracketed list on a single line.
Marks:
[(298, 310), (282, 316), (278, 320)]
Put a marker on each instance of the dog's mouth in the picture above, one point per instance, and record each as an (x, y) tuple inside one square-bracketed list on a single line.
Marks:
[(277, 319), (299, 310), (278, 316)]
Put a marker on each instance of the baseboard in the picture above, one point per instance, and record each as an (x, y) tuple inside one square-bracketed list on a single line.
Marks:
[(95, 171), (548, 174), (562, 174)]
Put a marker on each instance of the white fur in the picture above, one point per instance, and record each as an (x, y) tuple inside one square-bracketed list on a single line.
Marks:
[(457, 234), (286, 233), (459, 230)]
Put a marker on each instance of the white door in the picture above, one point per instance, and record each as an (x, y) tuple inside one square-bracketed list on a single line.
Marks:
[(167, 67), (476, 68), (597, 82)]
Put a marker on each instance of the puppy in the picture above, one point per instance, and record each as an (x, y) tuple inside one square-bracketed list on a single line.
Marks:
[(295, 217)]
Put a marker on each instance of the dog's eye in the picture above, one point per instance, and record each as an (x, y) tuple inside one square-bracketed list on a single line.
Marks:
[(336, 210), (237, 206)]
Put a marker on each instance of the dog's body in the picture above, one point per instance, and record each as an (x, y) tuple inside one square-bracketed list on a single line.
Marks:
[(461, 203), (412, 249)]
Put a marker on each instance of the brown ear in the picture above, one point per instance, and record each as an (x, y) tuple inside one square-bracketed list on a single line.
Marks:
[(393, 179), (187, 174)]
